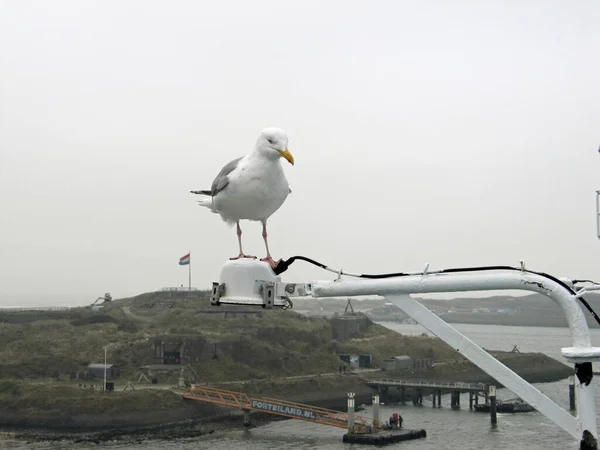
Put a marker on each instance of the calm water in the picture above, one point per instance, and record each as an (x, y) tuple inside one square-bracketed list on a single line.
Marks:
[(446, 429)]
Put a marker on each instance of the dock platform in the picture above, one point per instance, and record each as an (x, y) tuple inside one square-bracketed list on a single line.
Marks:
[(383, 437)]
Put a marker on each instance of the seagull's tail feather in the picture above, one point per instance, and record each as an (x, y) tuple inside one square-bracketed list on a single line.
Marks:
[(206, 201)]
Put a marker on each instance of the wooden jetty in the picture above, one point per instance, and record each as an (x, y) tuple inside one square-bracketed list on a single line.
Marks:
[(435, 387)]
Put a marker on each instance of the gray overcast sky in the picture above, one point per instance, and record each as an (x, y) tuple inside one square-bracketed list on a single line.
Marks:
[(457, 133)]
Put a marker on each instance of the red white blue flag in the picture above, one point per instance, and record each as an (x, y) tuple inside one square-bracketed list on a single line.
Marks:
[(184, 260)]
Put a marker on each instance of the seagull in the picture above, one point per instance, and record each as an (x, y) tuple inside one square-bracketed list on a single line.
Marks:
[(252, 187)]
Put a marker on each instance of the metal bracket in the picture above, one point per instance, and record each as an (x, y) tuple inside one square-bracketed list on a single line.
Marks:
[(289, 304), (267, 290), (270, 295), (285, 290), (218, 290)]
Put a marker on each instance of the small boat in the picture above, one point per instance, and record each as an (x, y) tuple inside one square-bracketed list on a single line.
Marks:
[(506, 406)]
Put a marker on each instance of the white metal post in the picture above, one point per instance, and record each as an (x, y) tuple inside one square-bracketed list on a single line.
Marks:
[(350, 412), (376, 415)]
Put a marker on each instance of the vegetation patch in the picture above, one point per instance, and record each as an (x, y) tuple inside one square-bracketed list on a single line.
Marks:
[(263, 352)]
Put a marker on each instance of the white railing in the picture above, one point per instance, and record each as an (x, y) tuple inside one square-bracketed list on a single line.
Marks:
[(430, 384)]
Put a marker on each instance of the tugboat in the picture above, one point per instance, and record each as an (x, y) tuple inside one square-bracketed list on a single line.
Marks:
[(515, 405)]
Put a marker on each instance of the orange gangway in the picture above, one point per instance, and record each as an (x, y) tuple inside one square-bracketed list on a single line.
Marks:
[(275, 406)]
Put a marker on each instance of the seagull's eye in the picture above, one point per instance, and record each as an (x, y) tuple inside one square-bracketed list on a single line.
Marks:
[(271, 140)]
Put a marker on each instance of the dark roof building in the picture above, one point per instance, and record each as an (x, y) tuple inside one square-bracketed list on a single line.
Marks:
[(397, 363), (97, 370)]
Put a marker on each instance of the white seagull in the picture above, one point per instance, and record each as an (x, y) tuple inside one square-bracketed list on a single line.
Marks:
[(252, 187)]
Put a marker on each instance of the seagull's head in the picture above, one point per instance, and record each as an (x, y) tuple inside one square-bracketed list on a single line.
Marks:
[(273, 143)]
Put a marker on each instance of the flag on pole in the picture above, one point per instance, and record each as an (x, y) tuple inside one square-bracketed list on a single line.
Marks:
[(184, 260)]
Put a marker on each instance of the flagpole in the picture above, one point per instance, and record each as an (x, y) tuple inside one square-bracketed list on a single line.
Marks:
[(190, 274), (104, 389)]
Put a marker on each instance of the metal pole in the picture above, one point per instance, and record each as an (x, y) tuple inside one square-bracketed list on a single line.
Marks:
[(376, 420), (190, 274), (493, 418), (572, 393), (350, 412), (598, 214), (247, 418), (104, 368)]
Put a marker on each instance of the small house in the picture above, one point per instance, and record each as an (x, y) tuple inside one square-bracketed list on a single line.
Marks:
[(97, 370), (397, 363)]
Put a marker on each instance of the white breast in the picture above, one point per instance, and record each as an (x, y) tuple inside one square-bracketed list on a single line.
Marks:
[(257, 188)]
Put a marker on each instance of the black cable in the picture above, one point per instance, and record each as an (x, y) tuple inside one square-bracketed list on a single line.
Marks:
[(282, 266), (589, 308), (585, 281)]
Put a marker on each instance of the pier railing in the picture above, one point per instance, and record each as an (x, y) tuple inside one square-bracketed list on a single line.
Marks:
[(274, 406), (432, 384)]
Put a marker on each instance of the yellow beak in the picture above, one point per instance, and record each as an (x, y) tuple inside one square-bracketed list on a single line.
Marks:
[(287, 155)]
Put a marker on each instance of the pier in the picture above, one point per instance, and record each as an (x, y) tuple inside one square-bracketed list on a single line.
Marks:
[(276, 407), (361, 430), (434, 387)]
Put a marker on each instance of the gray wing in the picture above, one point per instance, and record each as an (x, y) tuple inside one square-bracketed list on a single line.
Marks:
[(221, 181)]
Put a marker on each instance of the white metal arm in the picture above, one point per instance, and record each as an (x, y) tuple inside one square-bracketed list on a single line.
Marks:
[(253, 283)]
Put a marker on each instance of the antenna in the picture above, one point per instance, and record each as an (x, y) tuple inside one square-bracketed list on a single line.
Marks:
[(598, 209), (598, 214)]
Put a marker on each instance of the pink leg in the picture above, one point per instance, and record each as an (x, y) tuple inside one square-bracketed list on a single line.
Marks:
[(268, 258), (239, 235)]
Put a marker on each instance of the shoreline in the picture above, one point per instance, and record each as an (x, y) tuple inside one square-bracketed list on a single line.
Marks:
[(190, 419), (187, 419), (495, 319), (189, 428)]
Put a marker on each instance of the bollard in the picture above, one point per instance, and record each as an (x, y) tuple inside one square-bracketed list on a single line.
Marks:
[(493, 405), (350, 412), (439, 394), (376, 421), (572, 393)]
